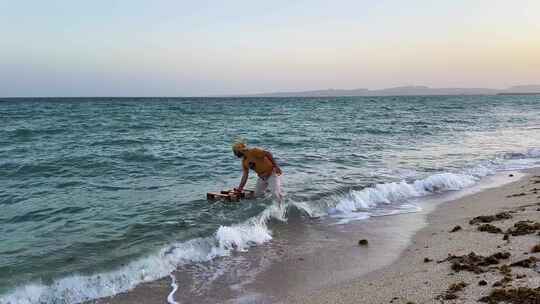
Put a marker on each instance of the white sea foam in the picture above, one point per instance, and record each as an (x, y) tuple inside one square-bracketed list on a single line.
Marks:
[(241, 237), (358, 204), (80, 288), (444, 182), (482, 170), (174, 285)]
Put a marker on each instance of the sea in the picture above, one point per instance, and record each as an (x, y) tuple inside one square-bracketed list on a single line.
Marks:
[(100, 195)]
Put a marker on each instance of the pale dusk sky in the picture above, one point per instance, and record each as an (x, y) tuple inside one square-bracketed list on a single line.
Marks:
[(195, 48)]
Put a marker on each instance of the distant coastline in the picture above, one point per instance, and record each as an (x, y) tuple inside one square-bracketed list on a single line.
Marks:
[(530, 93), (394, 91), (402, 91)]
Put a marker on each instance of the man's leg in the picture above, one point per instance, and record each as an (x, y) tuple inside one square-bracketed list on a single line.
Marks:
[(261, 187), (275, 186)]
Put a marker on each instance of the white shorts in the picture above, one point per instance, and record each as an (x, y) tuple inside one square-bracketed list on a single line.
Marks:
[(274, 181)]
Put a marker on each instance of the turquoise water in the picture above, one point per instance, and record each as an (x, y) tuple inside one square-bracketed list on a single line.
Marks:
[(95, 192)]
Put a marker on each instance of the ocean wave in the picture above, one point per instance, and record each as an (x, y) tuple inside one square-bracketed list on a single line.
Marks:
[(361, 204), (36, 169), (354, 205), (25, 133), (80, 288), (118, 142), (395, 197), (139, 156)]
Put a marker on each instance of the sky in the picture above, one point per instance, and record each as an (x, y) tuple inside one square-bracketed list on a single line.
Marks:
[(202, 48)]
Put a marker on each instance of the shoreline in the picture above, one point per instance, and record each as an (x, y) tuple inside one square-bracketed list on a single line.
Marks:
[(419, 275), (278, 272)]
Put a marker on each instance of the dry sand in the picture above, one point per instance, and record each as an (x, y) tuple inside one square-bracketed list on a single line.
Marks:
[(411, 279)]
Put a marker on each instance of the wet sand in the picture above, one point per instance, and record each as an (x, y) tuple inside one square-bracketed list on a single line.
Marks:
[(309, 261), (415, 279), (269, 273)]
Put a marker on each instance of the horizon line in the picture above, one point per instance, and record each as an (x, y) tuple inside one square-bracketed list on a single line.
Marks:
[(367, 90)]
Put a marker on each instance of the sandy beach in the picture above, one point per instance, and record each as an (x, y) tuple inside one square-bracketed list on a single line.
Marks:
[(410, 258), (441, 266)]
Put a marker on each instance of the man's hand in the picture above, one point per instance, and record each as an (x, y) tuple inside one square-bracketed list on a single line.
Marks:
[(239, 189), (277, 170)]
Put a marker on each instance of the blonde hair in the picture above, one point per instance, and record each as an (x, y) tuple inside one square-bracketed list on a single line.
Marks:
[(239, 145)]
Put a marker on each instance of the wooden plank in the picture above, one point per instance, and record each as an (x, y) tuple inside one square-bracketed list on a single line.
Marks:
[(216, 196), (230, 195)]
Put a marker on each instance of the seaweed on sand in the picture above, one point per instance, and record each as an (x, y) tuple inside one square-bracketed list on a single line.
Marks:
[(520, 295), (490, 218), (489, 228), (526, 263), (474, 262), (517, 194), (523, 228)]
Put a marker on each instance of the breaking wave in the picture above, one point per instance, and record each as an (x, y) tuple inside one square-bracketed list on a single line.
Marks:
[(80, 288), (362, 204), (356, 204), (401, 191)]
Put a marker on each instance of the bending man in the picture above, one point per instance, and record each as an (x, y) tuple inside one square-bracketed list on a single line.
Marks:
[(263, 164)]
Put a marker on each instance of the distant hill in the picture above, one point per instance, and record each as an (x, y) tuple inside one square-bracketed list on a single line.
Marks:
[(405, 90), (523, 89)]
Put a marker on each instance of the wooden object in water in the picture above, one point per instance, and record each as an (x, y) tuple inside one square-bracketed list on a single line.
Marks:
[(230, 195)]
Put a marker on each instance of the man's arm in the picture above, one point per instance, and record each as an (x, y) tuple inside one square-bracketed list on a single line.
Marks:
[(271, 158), (243, 181)]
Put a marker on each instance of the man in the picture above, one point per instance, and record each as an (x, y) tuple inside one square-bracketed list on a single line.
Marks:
[(263, 164)]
